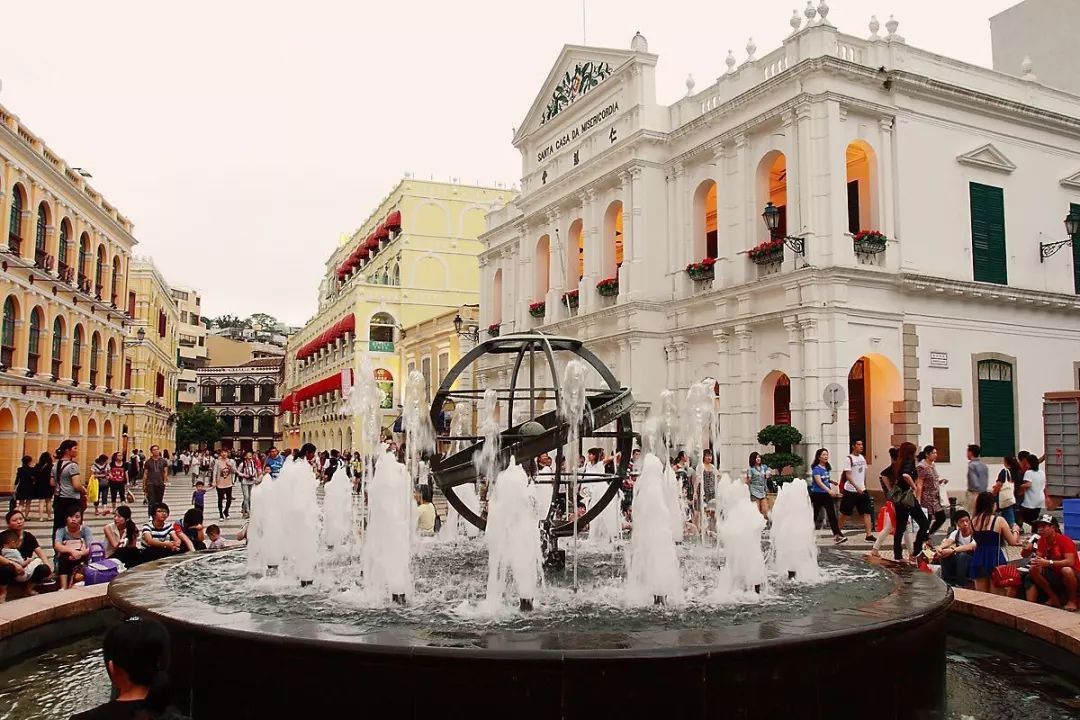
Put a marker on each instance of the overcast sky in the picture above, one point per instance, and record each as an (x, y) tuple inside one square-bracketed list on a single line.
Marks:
[(244, 137)]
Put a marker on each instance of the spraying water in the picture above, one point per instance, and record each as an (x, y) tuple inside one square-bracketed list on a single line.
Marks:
[(364, 400), (700, 425), (794, 545), (739, 530), (265, 549), (419, 432), (572, 409), (297, 508), (385, 555), (486, 460), (653, 574), (338, 509), (513, 539)]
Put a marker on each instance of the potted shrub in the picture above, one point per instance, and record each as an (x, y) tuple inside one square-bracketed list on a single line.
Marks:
[(537, 309), (781, 437), (570, 299), (493, 330), (608, 287), (870, 242), (703, 270), (768, 252)]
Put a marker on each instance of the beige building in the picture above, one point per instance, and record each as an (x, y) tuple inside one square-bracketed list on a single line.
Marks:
[(192, 345), (413, 259), (64, 255), (226, 352), (150, 368)]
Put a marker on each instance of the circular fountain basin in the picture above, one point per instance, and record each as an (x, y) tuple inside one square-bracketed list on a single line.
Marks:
[(711, 653)]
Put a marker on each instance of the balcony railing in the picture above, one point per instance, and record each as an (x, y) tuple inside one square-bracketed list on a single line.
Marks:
[(15, 243)]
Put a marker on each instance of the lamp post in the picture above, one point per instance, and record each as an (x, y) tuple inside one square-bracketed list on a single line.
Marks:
[(771, 216), (1072, 229), (470, 331)]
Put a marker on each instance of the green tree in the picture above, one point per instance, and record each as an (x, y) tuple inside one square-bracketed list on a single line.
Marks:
[(196, 425), (268, 322), (781, 437), (231, 321)]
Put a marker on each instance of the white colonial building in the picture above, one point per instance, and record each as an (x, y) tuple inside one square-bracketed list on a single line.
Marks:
[(948, 332)]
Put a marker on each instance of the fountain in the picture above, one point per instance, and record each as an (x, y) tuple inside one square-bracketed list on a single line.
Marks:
[(487, 622), (513, 539), (792, 540), (338, 523), (364, 400), (385, 554)]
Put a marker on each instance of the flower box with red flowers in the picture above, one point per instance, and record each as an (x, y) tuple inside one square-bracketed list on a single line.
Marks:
[(870, 242), (537, 309), (570, 299), (493, 330), (704, 270), (608, 287), (768, 252)]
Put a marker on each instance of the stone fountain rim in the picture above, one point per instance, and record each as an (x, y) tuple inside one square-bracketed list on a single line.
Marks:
[(915, 597)]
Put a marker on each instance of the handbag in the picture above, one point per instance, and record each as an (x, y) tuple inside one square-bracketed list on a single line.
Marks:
[(1006, 576), (1007, 494), (902, 495)]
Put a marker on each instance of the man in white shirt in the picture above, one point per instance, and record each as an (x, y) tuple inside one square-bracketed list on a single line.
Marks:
[(855, 496)]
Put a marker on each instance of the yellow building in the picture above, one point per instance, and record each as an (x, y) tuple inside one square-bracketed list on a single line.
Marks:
[(413, 259), (434, 346), (64, 254), (150, 368)]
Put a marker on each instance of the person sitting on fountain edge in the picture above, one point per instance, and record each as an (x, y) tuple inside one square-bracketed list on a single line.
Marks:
[(158, 536)]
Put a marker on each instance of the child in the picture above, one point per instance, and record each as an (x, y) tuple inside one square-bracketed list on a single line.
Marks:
[(213, 533), (9, 540), (199, 496)]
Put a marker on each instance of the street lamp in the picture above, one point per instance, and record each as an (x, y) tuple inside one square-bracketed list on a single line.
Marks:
[(1072, 229), (771, 216), (472, 332), (141, 334)]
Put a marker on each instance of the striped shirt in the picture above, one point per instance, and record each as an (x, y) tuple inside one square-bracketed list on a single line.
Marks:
[(161, 535)]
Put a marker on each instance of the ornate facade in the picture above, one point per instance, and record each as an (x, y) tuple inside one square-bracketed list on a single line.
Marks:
[(413, 259), (721, 238), (245, 397), (64, 283), (150, 365)]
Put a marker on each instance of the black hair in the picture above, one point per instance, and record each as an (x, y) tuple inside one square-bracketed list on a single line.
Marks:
[(1033, 461), (893, 452), (212, 529), (425, 493), (199, 482), (334, 453), (13, 513), (141, 649), (158, 506), (192, 517), (64, 447), (102, 458), (752, 460), (307, 449), (817, 460), (130, 531), (975, 450), (72, 512), (960, 515), (8, 535), (984, 503), (45, 459)]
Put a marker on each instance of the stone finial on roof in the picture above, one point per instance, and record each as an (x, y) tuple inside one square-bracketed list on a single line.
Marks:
[(751, 48), (810, 12), (823, 13), (796, 21), (639, 43), (689, 84), (874, 27), (730, 61), (1025, 70), (891, 26)]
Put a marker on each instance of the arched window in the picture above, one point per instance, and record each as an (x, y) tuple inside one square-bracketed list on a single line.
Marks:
[(228, 393), (381, 332), (266, 392), (396, 279), (39, 234), (15, 226), (76, 353), (33, 352), (114, 292), (95, 350), (861, 190), (782, 401), (575, 254), (385, 275), (7, 336), (247, 393), (611, 249), (99, 272), (57, 344), (62, 252), (84, 253), (542, 263), (705, 221), (772, 188), (497, 297), (110, 360), (997, 408)]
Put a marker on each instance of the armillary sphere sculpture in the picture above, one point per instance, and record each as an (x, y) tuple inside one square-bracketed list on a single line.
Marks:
[(536, 355)]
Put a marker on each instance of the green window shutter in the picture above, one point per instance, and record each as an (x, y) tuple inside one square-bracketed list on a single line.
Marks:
[(996, 408), (1075, 207), (988, 234)]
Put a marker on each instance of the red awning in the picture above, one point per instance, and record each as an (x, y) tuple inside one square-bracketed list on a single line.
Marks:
[(328, 384), (362, 253), (372, 242), (345, 325), (288, 403), (393, 220), (382, 233)]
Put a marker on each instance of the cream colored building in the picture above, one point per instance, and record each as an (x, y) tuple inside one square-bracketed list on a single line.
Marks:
[(191, 340), (414, 258), (64, 254), (150, 370)]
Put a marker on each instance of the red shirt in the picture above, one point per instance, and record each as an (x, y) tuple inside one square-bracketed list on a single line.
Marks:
[(117, 474), (1058, 548)]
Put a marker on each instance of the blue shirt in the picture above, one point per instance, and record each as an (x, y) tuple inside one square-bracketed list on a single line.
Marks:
[(822, 474), (198, 498), (275, 464)]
